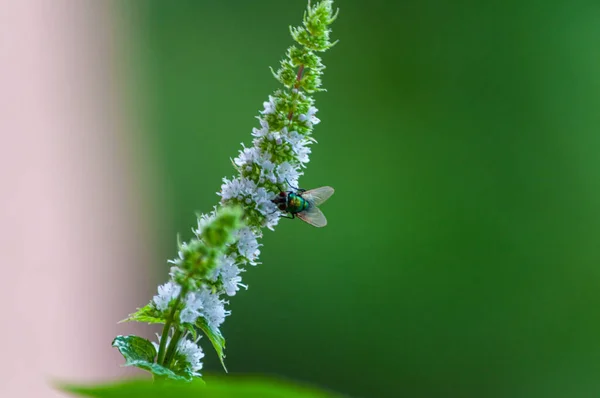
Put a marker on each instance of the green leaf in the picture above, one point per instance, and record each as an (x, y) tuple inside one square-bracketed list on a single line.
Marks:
[(135, 348), (161, 371), (140, 353), (223, 387), (215, 337), (147, 314)]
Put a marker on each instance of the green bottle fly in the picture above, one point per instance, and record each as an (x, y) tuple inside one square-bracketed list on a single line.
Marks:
[(303, 204)]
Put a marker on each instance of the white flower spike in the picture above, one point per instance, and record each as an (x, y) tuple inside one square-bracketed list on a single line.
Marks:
[(209, 267)]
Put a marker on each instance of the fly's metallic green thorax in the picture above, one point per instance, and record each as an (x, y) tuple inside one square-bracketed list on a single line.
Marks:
[(296, 203)]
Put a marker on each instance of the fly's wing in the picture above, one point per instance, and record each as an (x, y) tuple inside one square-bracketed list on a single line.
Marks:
[(313, 216), (318, 196)]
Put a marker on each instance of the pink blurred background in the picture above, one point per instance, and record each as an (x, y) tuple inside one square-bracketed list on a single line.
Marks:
[(76, 229)]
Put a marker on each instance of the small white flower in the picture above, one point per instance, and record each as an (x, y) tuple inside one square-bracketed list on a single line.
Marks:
[(167, 292), (287, 172), (247, 245), (276, 136), (309, 117), (264, 129), (179, 260), (229, 272), (213, 309), (241, 188), (267, 171), (192, 354), (300, 146), (188, 350), (247, 156), (262, 199), (191, 310), (237, 188), (204, 303), (270, 106)]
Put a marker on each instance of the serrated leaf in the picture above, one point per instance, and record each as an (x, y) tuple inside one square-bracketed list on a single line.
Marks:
[(140, 353), (161, 371), (147, 314), (226, 387), (135, 348), (215, 337)]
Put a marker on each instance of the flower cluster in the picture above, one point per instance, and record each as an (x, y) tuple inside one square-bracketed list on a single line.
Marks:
[(209, 266), (188, 356)]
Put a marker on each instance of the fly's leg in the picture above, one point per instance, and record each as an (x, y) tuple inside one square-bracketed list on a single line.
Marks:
[(291, 216), (296, 188)]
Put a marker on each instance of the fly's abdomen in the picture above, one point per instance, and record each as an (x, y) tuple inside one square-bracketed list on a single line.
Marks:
[(296, 203)]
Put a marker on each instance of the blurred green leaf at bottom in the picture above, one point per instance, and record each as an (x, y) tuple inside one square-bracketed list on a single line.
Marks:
[(225, 387)]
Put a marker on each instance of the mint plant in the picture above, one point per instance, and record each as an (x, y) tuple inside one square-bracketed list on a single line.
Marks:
[(208, 267)]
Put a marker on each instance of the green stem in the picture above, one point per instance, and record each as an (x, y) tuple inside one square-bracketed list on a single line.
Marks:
[(165, 334), (172, 348)]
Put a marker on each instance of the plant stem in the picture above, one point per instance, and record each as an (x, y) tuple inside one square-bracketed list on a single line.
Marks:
[(163, 340), (172, 348), (299, 76), (165, 333)]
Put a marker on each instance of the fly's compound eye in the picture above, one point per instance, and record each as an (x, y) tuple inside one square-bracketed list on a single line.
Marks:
[(282, 207), (282, 194)]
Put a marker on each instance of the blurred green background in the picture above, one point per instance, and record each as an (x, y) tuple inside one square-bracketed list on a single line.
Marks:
[(461, 256)]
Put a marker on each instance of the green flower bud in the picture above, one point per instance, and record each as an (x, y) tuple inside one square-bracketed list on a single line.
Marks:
[(220, 232)]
